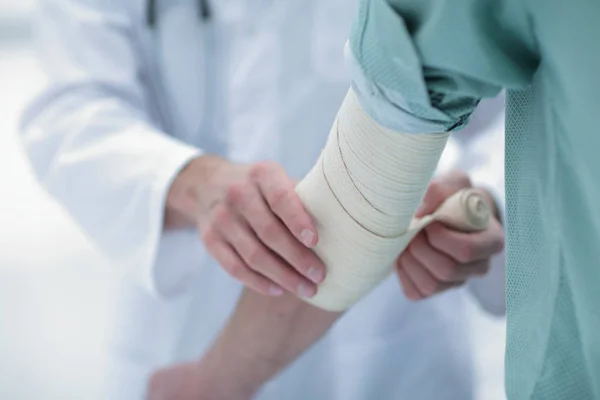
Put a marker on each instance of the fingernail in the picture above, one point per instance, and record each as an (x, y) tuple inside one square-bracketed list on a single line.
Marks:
[(305, 290), (307, 237), (316, 274), (275, 290)]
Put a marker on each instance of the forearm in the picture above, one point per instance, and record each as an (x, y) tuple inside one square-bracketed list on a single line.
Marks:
[(263, 336)]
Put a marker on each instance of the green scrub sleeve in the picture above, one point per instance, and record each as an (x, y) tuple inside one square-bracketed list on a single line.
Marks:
[(421, 66)]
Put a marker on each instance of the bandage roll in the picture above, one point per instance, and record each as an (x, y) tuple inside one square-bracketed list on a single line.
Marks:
[(363, 192), (467, 210)]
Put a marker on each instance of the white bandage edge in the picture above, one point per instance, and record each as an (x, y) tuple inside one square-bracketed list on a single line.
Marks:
[(363, 193)]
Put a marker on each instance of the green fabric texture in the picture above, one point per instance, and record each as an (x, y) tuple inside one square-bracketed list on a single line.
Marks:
[(443, 56)]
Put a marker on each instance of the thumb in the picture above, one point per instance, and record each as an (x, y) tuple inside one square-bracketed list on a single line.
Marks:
[(440, 189)]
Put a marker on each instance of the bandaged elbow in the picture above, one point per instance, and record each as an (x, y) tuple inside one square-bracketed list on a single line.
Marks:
[(363, 193)]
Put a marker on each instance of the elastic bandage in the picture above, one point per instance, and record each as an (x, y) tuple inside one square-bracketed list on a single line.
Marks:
[(363, 193)]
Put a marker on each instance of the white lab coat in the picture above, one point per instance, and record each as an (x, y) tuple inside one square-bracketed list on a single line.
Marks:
[(128, 106)]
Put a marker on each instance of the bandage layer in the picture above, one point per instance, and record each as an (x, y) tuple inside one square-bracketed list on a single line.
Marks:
[(363, 193)]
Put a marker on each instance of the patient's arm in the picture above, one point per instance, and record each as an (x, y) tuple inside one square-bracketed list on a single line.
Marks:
[(261, 338), (362, 194)]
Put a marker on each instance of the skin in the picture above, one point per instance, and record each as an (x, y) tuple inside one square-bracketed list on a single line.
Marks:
[(262, 337), (440, 258), (266, 333), (251, 221)]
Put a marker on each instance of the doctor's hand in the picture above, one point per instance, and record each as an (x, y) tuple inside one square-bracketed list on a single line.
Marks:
[(440, 258), (252, 222)]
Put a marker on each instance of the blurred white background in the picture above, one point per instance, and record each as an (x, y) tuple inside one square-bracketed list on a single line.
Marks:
[(55, 290)]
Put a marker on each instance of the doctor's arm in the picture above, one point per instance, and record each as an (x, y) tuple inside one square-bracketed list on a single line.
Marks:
[(100, 146), (91, 135)]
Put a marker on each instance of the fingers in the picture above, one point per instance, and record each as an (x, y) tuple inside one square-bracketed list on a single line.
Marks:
[(231, 262), (418, 283), (442, 267), (277, 188), (424, 270), (410, 289), (466, 247), (261, 233), (439, 258), (440, 189), (256, 257), (248, 202)]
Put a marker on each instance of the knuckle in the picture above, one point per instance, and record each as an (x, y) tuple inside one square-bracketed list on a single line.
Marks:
[(209, 237), (436, 183), (418, 241), (256, 258), (270, 231), (419, 246), (446, 271), (461, 178), (410, 258), (260, 170), (221, 217), (436, 229), (278, 197), (465, 253), (436, 189), (235, 193), (435, 236)]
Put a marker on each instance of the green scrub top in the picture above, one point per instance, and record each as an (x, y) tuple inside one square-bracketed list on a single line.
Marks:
[(423, 65)]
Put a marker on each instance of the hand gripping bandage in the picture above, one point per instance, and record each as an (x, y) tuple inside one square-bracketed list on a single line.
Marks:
[(363, 193)]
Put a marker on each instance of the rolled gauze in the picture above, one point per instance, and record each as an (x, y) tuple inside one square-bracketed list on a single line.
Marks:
[(466, 210), (363, 193)]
